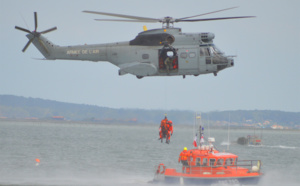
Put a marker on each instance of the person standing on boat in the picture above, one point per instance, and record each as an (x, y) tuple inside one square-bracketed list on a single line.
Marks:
[(183, 157)]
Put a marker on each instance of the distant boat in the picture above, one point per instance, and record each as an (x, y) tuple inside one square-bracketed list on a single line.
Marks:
[(206, 165), (250, 139)]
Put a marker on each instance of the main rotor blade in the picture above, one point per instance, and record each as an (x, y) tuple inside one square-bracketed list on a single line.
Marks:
[(22, 29), (35, 21), (48, 30), (127, 20), (27, 45), (208, 13), (213, 19), (121, 15)]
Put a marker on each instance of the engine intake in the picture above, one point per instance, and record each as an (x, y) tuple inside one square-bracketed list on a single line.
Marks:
[(207, 36)]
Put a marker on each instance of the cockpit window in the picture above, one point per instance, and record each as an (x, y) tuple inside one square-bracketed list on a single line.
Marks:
[(210, 50), (216, 50), (202, 52), (213, 54)]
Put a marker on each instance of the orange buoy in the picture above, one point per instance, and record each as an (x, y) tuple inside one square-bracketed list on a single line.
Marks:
[(37, 160)]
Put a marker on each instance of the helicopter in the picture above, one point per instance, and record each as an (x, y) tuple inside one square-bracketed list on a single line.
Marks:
[(164, 51)]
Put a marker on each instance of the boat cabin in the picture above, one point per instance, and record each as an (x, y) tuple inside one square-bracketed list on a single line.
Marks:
[(207, 158)]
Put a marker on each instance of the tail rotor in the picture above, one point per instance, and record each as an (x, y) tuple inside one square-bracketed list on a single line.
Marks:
[(34, 33)]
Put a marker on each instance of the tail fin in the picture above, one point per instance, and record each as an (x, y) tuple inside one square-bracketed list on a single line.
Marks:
[(43, 45)]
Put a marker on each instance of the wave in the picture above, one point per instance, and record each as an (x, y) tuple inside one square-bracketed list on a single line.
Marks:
[(283, 147), (279, 146), (224, 143)]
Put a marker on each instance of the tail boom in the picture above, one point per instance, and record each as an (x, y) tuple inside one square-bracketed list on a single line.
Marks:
[(80, 52)]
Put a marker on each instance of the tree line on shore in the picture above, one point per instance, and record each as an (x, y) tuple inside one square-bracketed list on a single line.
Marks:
[(17, 107)]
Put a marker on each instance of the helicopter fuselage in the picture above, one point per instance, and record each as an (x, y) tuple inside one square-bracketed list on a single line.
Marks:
[(193, 53)]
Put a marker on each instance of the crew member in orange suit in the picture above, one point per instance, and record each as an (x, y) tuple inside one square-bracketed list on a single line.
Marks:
[(170, 130), (183, 157), (163, 128)]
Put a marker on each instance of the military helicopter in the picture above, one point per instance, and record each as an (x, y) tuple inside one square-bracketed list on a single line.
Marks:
[(158, 52)]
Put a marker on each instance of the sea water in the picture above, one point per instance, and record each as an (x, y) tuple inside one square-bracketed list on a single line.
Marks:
[(102, 154)]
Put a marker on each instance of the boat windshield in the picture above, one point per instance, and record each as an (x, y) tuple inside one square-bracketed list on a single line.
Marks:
[(229, 161), (212, 162), (220, 162)]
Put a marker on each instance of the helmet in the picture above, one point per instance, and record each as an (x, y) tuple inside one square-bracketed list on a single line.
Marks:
[(170, 54), (170, 122), (184, 148)]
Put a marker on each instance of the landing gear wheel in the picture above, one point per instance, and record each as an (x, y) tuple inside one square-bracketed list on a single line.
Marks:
[(139, 77)]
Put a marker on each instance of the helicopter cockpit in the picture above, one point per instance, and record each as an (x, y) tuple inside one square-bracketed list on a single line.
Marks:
[(213, 54)]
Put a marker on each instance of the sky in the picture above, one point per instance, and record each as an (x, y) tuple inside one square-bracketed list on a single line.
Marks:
[(265, 76)]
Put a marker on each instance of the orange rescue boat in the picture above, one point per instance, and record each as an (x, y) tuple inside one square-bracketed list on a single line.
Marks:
[(206, 166)]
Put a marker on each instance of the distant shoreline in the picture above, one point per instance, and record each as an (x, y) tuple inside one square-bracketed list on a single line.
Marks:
[(17, 108)]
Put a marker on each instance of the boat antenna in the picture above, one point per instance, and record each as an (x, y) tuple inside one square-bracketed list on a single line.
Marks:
[(208, 124), (201, 138), (201, 133), (195, 122), (228, 133)]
